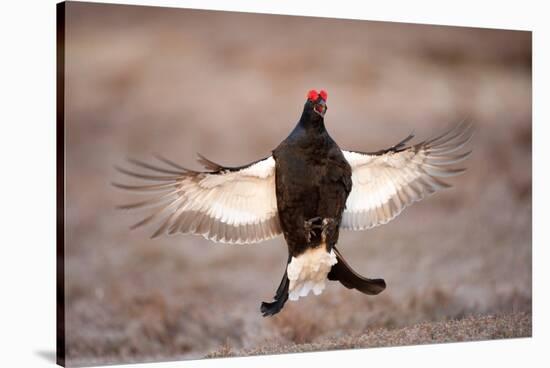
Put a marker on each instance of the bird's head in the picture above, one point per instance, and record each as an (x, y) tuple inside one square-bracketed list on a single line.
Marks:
[(316, 104)]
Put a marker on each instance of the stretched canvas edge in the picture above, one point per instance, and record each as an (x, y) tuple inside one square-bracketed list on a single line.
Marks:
[(60, 183)]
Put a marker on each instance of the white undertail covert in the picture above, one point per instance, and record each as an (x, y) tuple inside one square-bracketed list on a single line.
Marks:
[(308, 272)]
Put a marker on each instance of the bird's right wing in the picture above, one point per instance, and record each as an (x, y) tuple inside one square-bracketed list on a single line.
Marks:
[(225, 204), (387, 181)]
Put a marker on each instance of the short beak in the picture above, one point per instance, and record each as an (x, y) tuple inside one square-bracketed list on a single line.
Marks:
[(320, 107)]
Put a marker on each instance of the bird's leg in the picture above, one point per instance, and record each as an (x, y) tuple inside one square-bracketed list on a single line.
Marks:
[(327, 224), (309, 227)]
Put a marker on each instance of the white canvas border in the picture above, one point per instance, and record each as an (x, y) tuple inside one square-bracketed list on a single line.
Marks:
[(28, 182)]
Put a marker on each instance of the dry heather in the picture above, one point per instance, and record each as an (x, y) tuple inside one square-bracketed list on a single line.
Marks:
[(471, 328), (231, 86)]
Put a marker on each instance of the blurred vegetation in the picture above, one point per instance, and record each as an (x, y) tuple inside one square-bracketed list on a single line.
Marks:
[(142, 80)]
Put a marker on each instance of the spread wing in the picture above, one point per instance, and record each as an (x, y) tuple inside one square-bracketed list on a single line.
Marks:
[(387, 181), (224, 204)]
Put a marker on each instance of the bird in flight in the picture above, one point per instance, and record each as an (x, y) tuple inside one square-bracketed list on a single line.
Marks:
[(308, 189)]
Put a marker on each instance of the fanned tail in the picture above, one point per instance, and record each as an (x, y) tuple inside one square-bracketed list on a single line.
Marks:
[(342, 272)]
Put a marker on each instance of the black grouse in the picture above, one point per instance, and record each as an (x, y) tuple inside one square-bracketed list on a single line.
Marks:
[(307, 190)]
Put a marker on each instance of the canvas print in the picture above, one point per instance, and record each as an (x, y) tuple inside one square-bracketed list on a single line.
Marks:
[(235, 184)]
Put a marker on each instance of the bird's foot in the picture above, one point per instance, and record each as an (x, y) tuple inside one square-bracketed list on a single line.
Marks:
[(326, 226), (310, 226)]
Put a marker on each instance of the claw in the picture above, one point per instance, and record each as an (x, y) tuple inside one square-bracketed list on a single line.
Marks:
[(310, 231), (309, 227), (326, 225), (312, 220)]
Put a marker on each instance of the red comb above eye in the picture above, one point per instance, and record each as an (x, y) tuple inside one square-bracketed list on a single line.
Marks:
[(323, 94), (312, 95)]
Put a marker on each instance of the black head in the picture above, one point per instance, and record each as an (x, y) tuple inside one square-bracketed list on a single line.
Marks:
[(315, 106)]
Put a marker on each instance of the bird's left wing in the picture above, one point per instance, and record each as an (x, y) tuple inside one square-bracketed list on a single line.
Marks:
[(224, 204), (387, 181)]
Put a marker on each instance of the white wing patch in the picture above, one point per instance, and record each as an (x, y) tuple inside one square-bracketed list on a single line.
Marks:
[(227, 205), (386, 182)]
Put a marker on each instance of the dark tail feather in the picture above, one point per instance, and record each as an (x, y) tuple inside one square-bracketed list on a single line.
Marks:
[(342, 272), (281, 296)]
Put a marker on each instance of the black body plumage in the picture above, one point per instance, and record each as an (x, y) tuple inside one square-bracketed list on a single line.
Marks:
[(313, 179)]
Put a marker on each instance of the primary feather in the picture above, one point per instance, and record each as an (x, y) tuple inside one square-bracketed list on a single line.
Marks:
[(386, 182)]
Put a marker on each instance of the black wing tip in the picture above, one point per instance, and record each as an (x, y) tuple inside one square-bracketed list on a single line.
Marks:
[(123, 207), (158, 232), (120, 169), (117, 185), (404, 141), (136, 225), (456, 172), (444, 185), (446, 145), (464, 129), (174, 178), (155, 168), (173, 164), (398, 147), (124, 171), (209, 164)]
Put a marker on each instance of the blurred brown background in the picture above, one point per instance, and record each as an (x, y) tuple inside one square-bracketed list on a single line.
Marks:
[(143, 80)]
